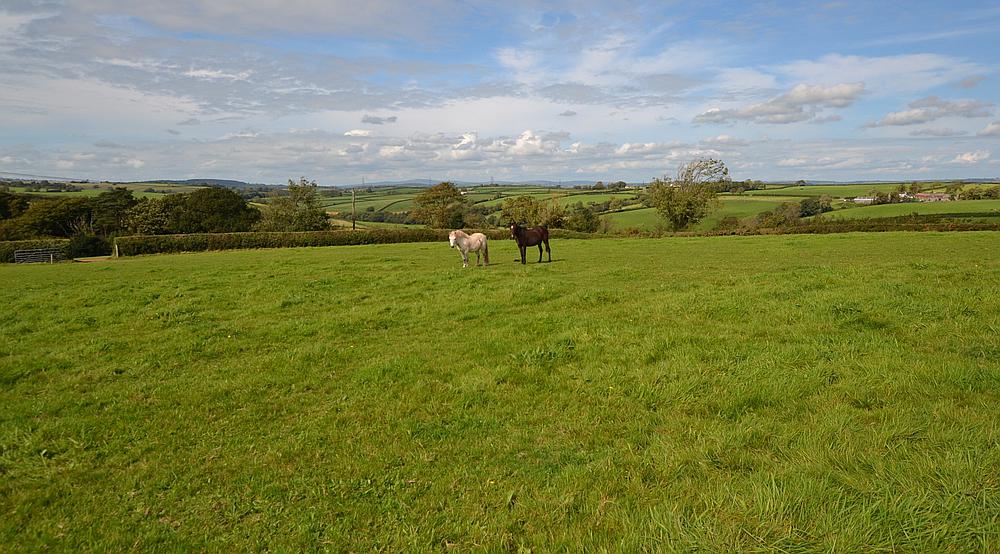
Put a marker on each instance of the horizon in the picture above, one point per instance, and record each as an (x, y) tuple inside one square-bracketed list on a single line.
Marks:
[(263, 92)]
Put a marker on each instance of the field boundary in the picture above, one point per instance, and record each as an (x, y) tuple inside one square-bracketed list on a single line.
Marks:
[(161, 244)]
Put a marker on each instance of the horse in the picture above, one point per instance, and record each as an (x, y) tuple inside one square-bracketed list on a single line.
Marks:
[(475, 242), (530, 237)]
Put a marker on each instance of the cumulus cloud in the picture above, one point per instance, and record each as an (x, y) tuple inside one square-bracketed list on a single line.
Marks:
[(358, 133), (801, 103), (991, 130), (567, 113), (972, 157), (933, 108), (375, 120)]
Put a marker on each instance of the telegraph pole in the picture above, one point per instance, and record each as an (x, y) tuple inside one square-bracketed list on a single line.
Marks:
[(354, 205)]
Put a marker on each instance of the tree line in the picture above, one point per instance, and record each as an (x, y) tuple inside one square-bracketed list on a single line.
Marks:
[(93, 220)]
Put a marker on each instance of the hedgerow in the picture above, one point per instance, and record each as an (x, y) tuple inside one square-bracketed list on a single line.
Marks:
[(159, 244)]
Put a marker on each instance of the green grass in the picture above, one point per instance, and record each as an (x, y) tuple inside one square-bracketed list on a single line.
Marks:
[(974, 209), (784, 393), (835, 191), (374, 224), (139, 190), (731, 206)]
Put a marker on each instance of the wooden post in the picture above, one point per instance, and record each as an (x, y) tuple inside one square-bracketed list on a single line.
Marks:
[(353, 209)]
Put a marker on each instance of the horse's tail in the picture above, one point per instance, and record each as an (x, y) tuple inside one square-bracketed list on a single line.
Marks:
[(486, 251)]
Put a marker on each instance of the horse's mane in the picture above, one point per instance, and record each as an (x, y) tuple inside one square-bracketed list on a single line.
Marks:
[(459, 233)]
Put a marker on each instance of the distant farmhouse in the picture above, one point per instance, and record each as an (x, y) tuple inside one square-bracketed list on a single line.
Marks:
[(906, 197)]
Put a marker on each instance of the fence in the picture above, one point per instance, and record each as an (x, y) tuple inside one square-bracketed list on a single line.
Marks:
[(34, 255)]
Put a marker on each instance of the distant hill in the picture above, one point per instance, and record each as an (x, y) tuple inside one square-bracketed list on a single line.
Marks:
[(432, 182), (228, 183)]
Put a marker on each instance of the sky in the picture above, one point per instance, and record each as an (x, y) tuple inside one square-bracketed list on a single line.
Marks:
[(336, 91)]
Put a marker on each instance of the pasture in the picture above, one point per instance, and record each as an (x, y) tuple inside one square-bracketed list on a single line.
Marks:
[(788, 393), (647, 219), (139, 190), (960, 209), (834, 191)]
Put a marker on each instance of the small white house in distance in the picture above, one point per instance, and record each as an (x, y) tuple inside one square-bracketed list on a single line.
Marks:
[(864, 200)]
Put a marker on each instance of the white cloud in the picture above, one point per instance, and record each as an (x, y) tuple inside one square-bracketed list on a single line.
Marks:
[(801, 103), (991, 130), (932, 132), (725, 140), (358, 133), (212, 74), (972, 157), (932, 108), (883, 75)]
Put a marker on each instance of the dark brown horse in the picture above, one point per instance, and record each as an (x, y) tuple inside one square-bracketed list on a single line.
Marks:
[(531, 237)]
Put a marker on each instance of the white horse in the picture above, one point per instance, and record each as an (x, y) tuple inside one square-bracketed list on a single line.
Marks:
[(475, 242)]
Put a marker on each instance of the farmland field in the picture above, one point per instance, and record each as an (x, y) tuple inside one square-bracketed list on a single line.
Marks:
[(139, 190), (979, 209), (731, 206), (783, 393), (835, 191)]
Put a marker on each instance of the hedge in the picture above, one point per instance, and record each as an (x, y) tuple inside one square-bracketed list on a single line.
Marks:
[(8, 247), (159, 244)]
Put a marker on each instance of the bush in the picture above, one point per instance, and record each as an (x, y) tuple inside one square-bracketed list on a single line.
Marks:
[(7, 248)]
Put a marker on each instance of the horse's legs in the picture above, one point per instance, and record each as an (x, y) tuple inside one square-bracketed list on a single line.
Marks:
[(539, 252), (523, 249), (547, 251), (465, 258), (478, 263)]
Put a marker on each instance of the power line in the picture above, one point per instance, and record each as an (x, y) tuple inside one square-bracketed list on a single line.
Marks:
[(49, 177)]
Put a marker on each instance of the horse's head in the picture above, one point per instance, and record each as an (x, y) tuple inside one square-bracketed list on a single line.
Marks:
[(451, 238), (514, 228)]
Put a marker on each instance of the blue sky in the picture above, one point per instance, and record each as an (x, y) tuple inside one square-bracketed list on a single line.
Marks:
[(265, 91)]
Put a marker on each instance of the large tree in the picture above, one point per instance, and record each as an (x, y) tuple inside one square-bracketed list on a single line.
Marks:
[(689, 197), (297, 209), (214, 210), (441, 206)]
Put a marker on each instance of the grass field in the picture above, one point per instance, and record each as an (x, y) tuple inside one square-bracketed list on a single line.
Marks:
[(731, 206), (784, 393), (139, 190), (979, 209), (834, 191)]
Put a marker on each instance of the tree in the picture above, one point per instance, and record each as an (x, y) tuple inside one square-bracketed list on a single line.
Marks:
[(814, 206), (149, 217), (524, 210), (581, 218), (214, 210), (12, 205), (441, 206), (297, 210), (109, 210), (691, 196)]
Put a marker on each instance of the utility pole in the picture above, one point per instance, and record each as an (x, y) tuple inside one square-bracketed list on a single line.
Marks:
[(354, 204)]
